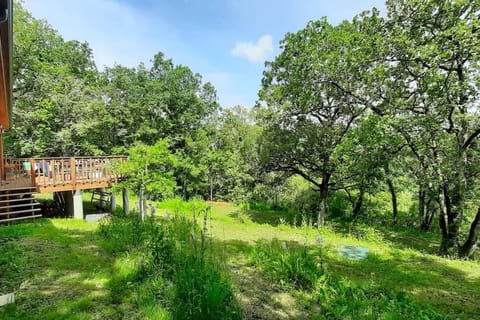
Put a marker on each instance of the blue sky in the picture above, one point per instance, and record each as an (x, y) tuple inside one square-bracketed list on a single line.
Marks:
[(226, 41)]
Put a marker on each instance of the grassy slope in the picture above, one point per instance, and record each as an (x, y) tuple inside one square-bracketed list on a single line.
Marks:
[(59, 270), (451, 286)]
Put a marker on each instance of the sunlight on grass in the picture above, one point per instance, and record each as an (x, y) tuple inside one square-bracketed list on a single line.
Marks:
[(424, 276), (58, 268)]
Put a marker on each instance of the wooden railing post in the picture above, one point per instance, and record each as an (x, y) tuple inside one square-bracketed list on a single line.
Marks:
[(32, 172), (73, 170)]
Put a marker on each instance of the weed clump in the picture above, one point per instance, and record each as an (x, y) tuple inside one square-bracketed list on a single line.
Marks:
[(290, 265), (174, 268)]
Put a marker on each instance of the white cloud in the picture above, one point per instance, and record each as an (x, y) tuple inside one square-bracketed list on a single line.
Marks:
[(254, 52)]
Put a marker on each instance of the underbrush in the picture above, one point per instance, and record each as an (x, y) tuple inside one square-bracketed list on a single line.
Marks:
[(170, 266), (301, 269)]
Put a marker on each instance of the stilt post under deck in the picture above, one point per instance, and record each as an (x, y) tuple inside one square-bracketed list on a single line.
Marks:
[(74, 203), (113, 203)]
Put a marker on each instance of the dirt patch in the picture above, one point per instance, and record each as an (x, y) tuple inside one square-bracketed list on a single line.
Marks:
[(219, 203), (261, 299)]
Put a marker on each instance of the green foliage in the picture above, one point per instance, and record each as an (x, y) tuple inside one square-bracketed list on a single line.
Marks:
[(350, 117), (57, 97), (289, 265), (59, 269), (149, 168), (297, 267), (342, 299), (144, 105), (175, 268)]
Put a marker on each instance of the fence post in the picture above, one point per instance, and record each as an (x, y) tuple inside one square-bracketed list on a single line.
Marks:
[(73, 170), (32, 172)]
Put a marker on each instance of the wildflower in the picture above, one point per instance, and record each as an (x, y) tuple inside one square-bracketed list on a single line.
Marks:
[(319, 240)]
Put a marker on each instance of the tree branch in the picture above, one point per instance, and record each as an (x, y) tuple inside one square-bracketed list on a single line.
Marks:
[(470, 139)]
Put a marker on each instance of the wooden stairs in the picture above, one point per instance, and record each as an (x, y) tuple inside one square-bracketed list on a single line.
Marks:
[(18, 204)]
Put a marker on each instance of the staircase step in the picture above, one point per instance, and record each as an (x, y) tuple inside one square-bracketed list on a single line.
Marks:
[(30, 204), (19, 212), (21, 218), (19, 188), (16, 200), (3, 195)]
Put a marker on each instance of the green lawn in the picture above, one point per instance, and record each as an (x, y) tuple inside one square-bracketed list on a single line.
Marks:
[(59, 268)]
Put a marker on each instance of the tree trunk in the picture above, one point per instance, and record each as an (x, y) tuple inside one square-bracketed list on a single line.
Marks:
[(470, 245), (322, 209), (141, 203), (449, 241), (442, 223), (358, 203), (425, 224), (211, 188), (421, 205), (126, 201), (184, 187), (432, 208), (393, 195)]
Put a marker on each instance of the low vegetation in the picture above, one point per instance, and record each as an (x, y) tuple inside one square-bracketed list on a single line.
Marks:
[(366, 133), (180, 265)]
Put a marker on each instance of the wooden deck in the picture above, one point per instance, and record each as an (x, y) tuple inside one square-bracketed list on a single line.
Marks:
[(60, 174)]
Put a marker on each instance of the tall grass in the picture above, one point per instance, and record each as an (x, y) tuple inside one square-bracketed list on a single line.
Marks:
[(174, 267), (292, 266)]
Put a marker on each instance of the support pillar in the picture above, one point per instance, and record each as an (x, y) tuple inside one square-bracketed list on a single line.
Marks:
[(73, 204), (103, 197), (113, 203)]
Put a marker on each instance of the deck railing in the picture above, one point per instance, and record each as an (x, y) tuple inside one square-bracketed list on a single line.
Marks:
[(60, 173)]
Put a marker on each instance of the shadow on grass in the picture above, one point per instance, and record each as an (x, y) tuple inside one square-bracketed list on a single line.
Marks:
[(426, 242), (258, 296), (271, 217), (61, 275), (427, 280), (424, 278)]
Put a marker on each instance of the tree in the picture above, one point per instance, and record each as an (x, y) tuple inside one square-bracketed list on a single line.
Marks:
[(219, 161), (366, 159), (55, 92), (145, 105), (310, 100), (149, 172), (434, 63)]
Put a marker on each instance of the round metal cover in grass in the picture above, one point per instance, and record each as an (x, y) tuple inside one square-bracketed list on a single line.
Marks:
[(353, 252)]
